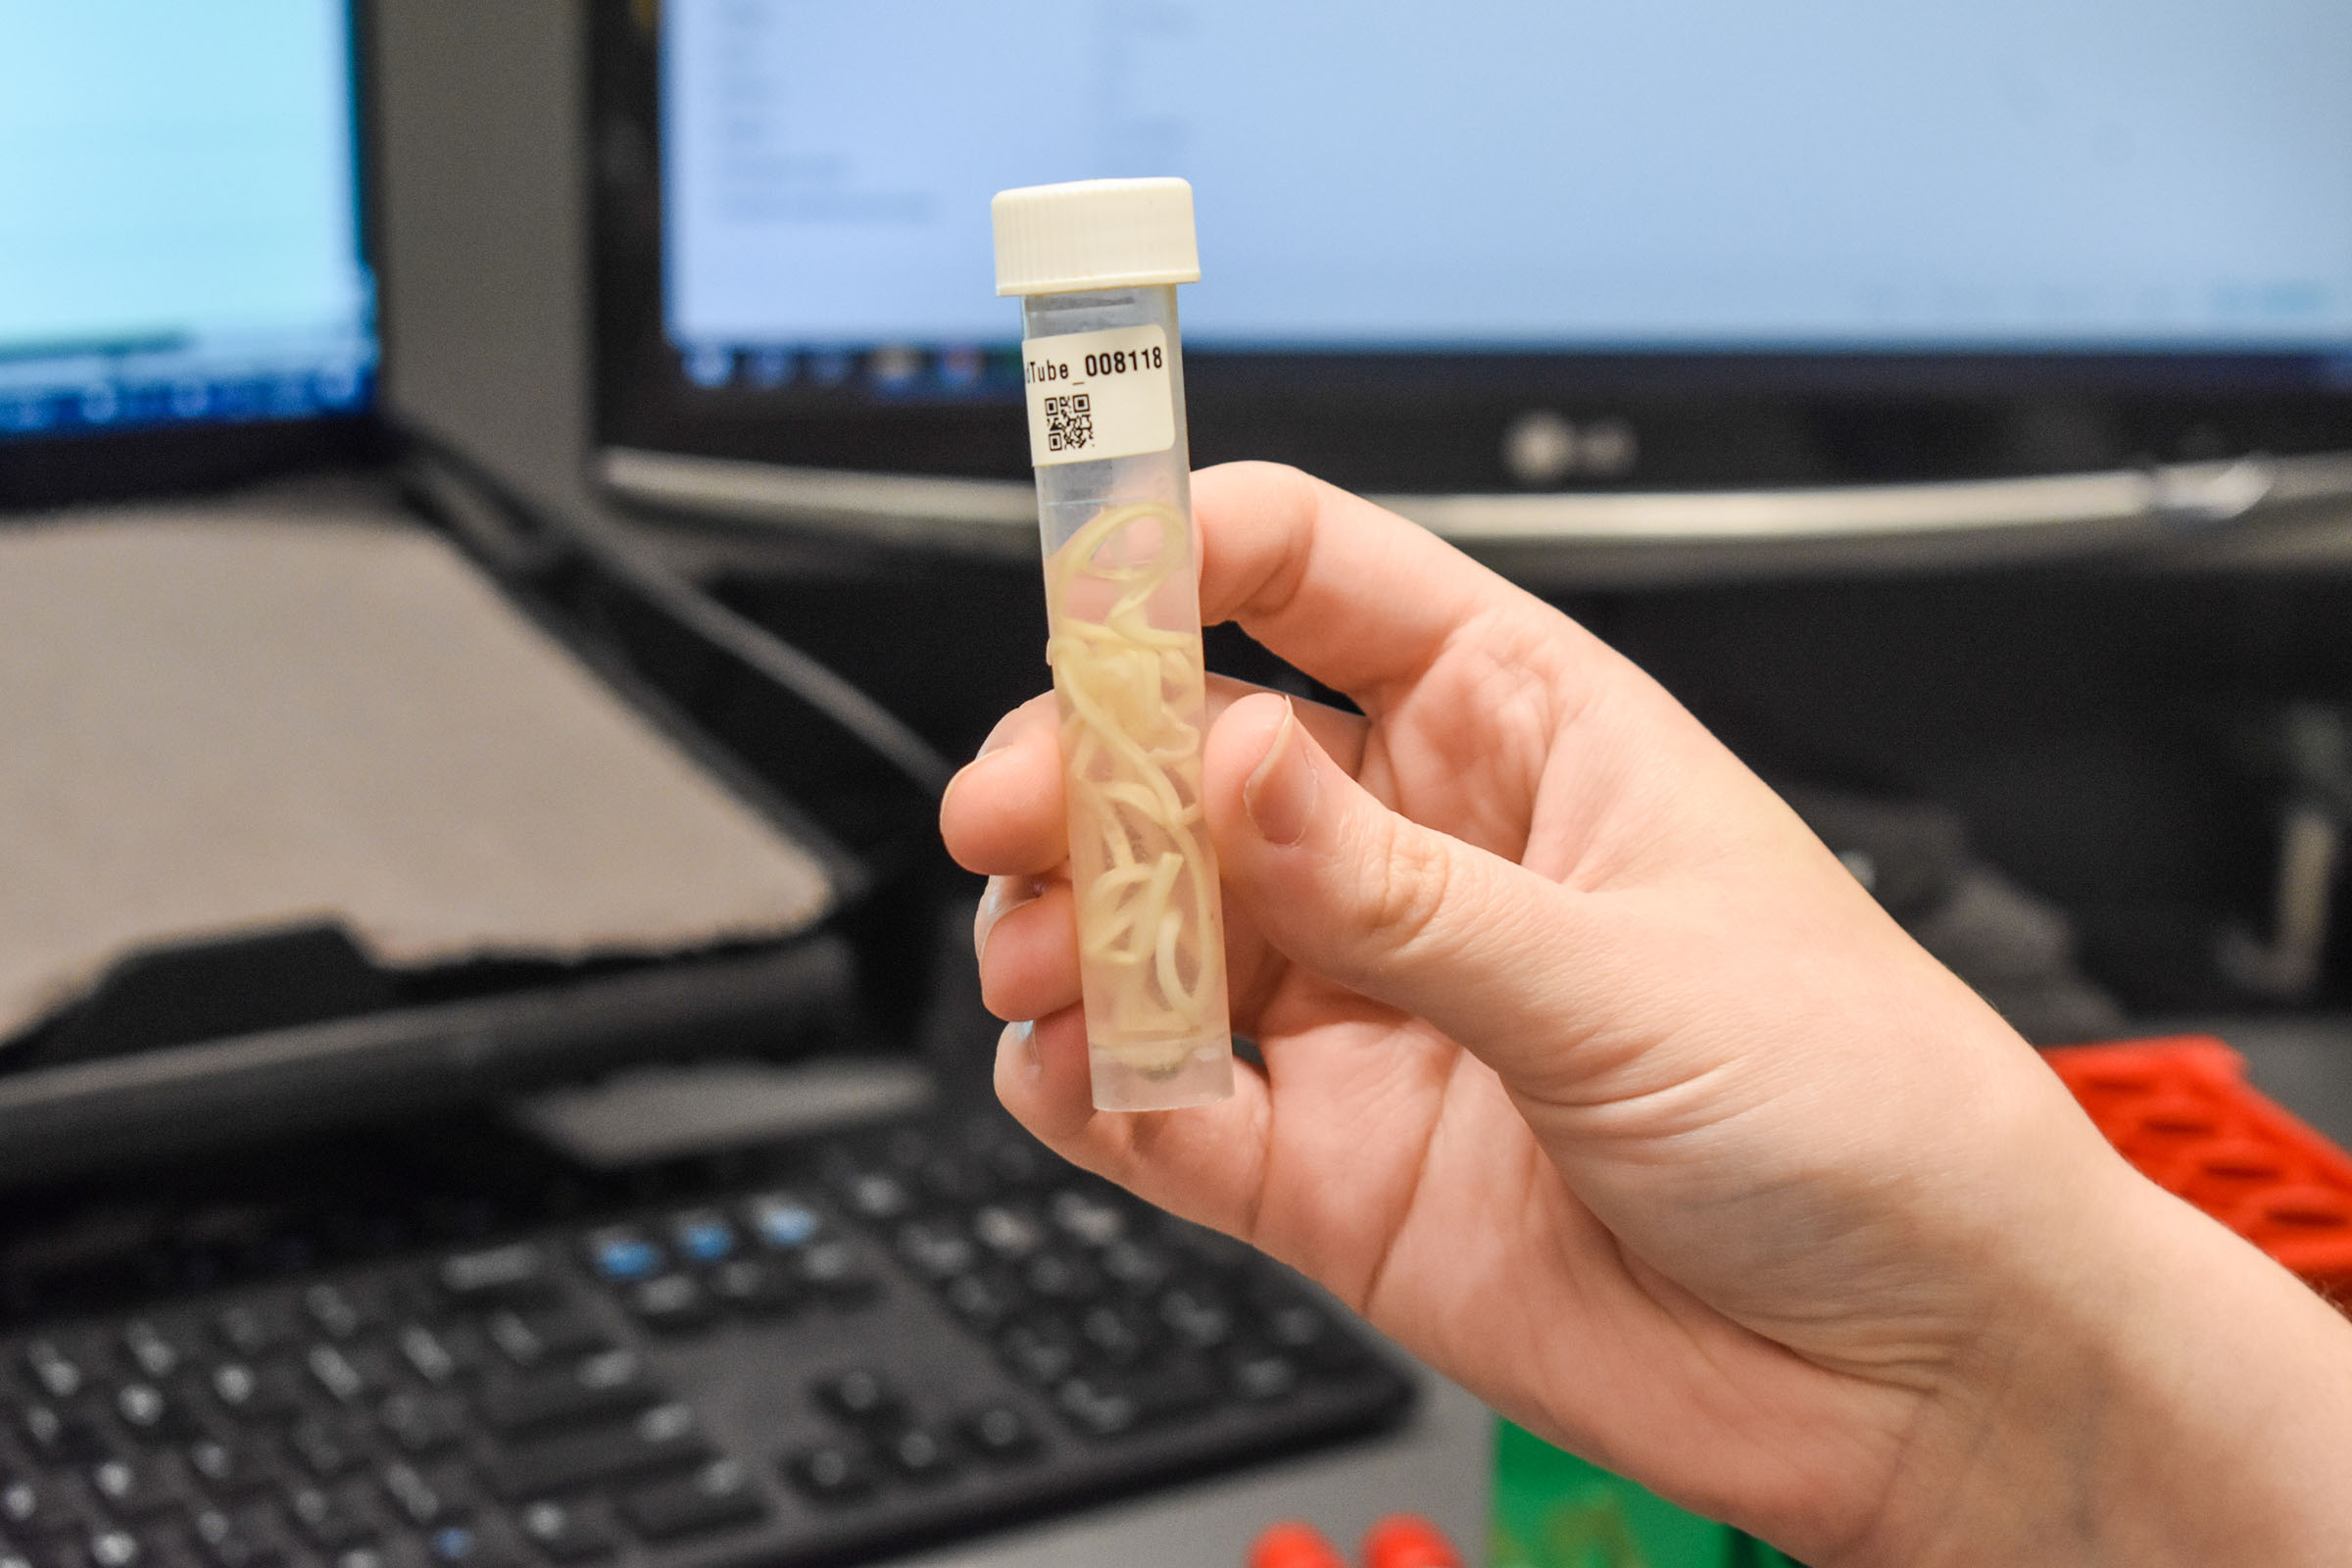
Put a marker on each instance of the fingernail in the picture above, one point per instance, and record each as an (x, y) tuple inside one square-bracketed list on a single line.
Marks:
[(991, 745), (997, 737), (1004, 895), (1280, 792), (1022, 1038)]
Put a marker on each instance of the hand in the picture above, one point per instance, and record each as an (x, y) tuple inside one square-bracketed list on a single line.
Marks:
[(1591, 1076)]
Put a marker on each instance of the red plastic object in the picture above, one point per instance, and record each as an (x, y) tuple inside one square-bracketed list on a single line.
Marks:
[(2182, 1113), (1292, 1544), (1408, 1541)]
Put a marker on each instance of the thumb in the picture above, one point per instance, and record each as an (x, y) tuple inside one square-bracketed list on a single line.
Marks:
[(1400, 912)]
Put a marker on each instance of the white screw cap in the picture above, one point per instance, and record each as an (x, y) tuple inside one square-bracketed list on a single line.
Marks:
[(1095, 233)]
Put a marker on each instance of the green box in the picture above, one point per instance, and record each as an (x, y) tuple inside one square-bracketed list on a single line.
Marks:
[(1554, 1510)]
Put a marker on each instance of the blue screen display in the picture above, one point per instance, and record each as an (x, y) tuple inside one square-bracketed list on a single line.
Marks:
[(2079, 175), (180, 214)]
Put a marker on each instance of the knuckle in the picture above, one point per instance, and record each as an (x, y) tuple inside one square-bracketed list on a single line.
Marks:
[(1411, 886)]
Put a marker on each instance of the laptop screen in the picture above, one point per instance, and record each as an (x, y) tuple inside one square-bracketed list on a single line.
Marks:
[(180, 235)]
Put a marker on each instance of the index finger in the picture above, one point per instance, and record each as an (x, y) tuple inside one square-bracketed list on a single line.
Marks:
[(1346, 591), (1002, 815)]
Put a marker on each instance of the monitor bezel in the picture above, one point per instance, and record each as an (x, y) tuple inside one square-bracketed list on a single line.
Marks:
[(1441, 423), (48, 472)]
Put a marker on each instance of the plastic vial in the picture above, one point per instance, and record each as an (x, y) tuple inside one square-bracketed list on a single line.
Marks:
[(1096, 264)]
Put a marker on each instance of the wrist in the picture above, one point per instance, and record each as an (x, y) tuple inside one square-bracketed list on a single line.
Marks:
[(2160, 1393)]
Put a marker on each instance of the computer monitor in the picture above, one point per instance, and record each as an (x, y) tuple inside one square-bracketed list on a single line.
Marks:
[(185, 299), (1493, 247), (186, 293)]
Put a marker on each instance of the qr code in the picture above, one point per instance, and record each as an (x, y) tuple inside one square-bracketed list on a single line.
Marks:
[(1069, 423)]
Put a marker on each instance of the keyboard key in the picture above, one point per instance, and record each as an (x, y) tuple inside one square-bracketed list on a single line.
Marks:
[(132, 1489), (999, 1431), (702, 1237), (327, 1447), (257, 1394), (518, 1272), (622, 1254), (1011, 1233), (663, 1438), (783, 1221), (53, 1372), (339, 1313), (1041, 1350), (1295, 1325), (155, 1352), (1307, 1335), (1139, 1268), (1060, 1277), (61, 1435), (1017, 1160), (918, 1455), (568, 1532), (346, 1378), (528, 1338), (717, 1497), (670, 1304), (438, 1357), (115, 1548), (254, 1328), (248, 1538), (31, 1507), (333, 1519), (609, 1384), (876, 1195), (756, 1286), (1106, 1407), (422, 1423), (1113, 1334), (834, 1269), (831, 1473), (861, 1396), (1198, 1316), (1261, 1375), (229, 1467), (1085, 1218), (1097, 1408), (935, 1249), (463, 1546), (147, 1412), (977, 1300), (416, 1498)]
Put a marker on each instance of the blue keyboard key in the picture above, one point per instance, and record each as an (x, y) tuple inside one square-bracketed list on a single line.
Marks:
[(784, 1221), (623, 1255), (457, 1546), (702, 1237)]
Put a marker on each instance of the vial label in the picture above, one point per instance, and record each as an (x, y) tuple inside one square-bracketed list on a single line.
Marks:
[(1097, 395)]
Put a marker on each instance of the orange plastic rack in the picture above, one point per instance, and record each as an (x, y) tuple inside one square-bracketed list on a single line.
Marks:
[(1401, 1540), (2181, 1111)]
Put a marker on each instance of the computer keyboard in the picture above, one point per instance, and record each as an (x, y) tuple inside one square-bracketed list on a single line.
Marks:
[(810, 1352)]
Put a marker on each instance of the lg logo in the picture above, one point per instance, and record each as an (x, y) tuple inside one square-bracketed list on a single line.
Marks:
[(1540, 446)]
